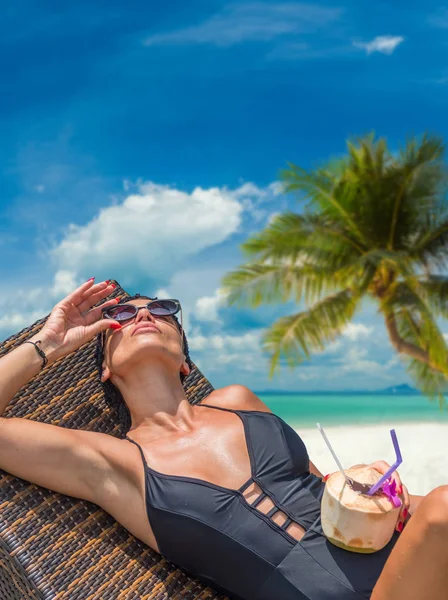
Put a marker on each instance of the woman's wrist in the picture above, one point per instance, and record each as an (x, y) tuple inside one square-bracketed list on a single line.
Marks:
[(48, 348)]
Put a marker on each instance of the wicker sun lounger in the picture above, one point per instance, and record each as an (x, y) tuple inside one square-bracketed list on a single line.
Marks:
[(54, 547)]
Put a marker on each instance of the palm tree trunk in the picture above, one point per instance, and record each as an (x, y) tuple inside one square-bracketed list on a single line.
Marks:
[(404, 347)]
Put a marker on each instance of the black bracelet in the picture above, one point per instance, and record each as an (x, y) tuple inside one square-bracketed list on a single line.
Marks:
[(39, 351)]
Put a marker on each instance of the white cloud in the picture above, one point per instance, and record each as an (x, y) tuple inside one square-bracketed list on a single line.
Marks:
[(207, 307), (64, 283), (354, 331), (255, 199), (394, 361), (355, 361), (330, 348), (246, 341), (150, 236), (276, 188), (385, 44), (308, 373), (34, 303), (12, 322), (216, 352), (252, 21), (157, 228), (162, 293)]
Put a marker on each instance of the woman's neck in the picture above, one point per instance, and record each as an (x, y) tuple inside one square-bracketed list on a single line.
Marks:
[(156, 400)]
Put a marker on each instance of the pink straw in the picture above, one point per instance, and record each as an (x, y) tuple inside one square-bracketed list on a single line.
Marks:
[(393, 468)]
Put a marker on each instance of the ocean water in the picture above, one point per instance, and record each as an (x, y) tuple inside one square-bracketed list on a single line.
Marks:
[(303, 410)]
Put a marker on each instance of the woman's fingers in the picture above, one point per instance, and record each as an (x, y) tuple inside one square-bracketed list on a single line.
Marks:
[(95, 295), (396, 477), (406, 498), (96, 313), (402, 491), (381, 466), (77, 295), (102, 325)]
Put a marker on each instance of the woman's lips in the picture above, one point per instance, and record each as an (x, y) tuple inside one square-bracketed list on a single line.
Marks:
[(145, 328)]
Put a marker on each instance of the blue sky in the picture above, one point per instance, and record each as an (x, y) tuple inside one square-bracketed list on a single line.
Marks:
[(144, 143)]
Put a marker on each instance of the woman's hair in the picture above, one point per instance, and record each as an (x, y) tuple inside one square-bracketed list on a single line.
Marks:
[(112, 394)]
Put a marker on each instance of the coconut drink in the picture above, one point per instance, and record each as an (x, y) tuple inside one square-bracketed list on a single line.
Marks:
[(354, 520), (360, 506)]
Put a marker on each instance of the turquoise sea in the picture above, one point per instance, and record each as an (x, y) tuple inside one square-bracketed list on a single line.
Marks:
[(303, 410)]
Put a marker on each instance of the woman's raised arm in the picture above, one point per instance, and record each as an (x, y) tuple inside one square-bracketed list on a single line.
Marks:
[(74, 462), (71, 324)]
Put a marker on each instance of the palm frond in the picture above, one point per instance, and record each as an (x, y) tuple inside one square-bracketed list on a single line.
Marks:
[(254, 283), (290, 233), (295, 337), (326, 192), (430, 244), (416, 323), (434, 291), (420, 172), (429, 381)]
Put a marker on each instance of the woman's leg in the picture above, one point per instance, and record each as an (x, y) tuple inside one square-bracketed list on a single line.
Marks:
[(415, 503), (417, 568)]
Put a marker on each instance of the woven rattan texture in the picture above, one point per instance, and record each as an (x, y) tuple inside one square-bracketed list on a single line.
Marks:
[(54, 547)]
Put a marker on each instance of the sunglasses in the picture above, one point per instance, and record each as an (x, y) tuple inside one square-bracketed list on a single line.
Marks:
[(124, 313)]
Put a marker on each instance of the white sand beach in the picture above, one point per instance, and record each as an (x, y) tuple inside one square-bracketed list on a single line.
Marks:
[(424, 447)]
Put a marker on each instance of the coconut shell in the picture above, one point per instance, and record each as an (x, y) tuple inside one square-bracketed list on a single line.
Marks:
[(355, 521)]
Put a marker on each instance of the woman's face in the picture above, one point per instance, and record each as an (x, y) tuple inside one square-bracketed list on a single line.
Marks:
[(142, 339)]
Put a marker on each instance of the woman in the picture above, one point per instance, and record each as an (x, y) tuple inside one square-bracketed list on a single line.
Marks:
[(224, 489)]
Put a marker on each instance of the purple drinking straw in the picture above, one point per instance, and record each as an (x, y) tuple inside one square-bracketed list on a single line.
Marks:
[(393, 468)]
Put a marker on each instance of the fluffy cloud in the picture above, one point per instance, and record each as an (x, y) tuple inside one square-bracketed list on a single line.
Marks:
[(254, 21), (151, 236), (155, 230), (213, 353), (34, 303), (207, 307), (64, 283), (385, 44), (355, 361), (354, 331)]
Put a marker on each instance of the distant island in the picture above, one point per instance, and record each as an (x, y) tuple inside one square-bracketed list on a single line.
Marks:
[(403, 389)]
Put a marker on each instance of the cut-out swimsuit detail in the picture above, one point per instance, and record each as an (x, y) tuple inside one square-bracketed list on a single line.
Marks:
[(248, 542)]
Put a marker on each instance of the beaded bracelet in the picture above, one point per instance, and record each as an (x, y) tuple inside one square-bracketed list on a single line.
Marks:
[(39, 351)]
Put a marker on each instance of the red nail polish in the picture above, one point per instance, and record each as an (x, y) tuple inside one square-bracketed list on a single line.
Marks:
[(117, 299), (326, 477), (405, 513), (115, 326), (400, 527), (400, 489), (113, 286), (91, 278)]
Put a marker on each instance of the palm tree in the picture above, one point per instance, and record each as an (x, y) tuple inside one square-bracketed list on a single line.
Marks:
[(375, 225)]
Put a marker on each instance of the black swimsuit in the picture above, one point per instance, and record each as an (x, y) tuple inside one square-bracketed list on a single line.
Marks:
[(214, 534)]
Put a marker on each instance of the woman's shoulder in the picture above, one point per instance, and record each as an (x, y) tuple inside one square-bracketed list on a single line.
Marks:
[(236, 397)]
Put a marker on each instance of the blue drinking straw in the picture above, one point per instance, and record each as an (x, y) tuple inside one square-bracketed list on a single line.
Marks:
[(393, 468)]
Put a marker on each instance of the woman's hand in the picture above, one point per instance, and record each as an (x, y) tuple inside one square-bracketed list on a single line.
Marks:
[(73, 321), (382, 467)]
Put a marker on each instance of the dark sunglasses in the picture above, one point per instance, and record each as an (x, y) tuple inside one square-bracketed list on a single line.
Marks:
[(158, 308)]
